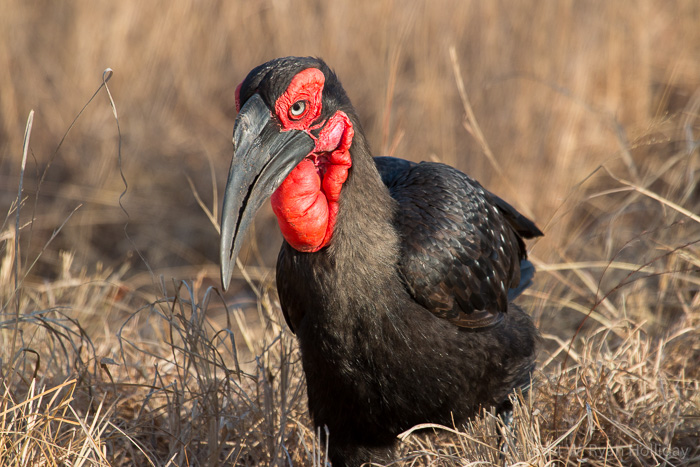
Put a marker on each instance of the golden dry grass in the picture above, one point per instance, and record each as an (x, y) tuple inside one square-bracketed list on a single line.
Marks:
[(116, 350)]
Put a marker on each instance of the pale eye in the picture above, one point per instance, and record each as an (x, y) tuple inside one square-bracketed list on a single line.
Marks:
[(297, 109)]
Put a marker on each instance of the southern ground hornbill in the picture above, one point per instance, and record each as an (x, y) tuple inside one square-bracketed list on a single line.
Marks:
[(396, 277)]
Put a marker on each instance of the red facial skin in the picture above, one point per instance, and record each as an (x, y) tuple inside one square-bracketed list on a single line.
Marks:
[(306, 204)]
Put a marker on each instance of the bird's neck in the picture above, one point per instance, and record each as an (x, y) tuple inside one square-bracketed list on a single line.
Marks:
[(362, 258), (358, 268), (365, 229)]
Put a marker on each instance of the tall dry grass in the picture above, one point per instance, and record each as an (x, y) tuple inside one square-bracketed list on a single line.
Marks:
[(116, 350)]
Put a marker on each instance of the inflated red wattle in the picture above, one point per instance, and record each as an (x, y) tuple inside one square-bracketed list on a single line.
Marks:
[(301, 208), (306, 204)]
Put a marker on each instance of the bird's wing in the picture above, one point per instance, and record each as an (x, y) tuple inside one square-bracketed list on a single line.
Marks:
[(461, 245)]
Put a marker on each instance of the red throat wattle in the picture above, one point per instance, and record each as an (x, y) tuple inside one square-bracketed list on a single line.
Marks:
[(306, 204)]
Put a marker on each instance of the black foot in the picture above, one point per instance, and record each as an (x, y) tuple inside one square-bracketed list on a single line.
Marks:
[(505, 413)]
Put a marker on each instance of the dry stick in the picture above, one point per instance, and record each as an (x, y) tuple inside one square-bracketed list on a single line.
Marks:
[(43, 249), (16, 294), (106, 76), (691, 112), (388, 148), (211, 215), (472, 126), (53, 156), (214, 188), (389, 99), (654, 196)]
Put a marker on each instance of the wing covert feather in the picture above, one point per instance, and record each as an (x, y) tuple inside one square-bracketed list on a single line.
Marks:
[(461, 245)]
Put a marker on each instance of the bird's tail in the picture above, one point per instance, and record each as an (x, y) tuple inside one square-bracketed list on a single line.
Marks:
[(527, 272)]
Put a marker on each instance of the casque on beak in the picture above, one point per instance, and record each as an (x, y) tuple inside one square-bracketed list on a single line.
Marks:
[(263, 157)]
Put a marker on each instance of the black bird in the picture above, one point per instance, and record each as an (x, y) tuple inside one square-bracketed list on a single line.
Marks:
[(396, 277)]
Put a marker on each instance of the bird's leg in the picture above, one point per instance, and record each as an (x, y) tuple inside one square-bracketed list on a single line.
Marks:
[(505, 413), (508, 431)]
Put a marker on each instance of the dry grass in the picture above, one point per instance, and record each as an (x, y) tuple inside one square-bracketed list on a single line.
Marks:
[(115, 347)]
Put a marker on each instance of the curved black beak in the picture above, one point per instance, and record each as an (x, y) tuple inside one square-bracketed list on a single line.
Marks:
[(263, 157)]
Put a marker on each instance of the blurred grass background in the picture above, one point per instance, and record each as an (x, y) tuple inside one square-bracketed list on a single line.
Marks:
[(557, 88)]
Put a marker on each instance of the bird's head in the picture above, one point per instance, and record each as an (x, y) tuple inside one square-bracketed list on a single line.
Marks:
[(292, 140)]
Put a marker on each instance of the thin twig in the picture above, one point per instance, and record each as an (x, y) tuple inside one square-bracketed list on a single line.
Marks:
[(472, 126), (25, 148), (654, 196)]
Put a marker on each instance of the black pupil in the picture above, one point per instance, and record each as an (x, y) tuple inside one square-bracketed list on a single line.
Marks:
[(297, 108)]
